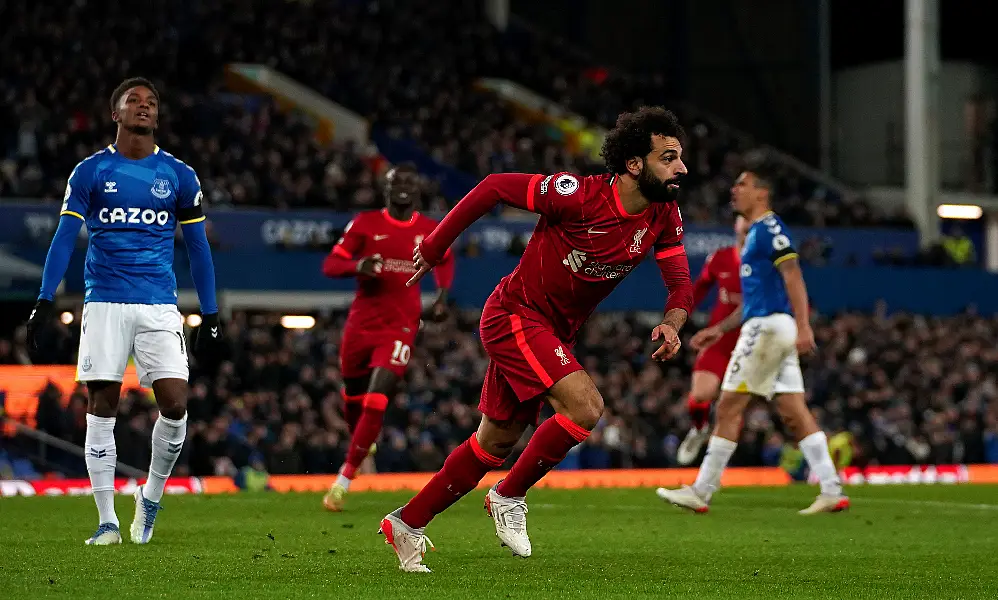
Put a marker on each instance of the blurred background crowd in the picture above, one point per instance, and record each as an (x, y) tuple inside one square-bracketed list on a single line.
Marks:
[(887, 384), (410, 68)]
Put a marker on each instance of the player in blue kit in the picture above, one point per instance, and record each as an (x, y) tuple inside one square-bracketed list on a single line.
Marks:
[(775, 330), (132, 195)]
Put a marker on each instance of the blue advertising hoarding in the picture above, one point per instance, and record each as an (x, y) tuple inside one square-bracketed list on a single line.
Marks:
[(32, 224)]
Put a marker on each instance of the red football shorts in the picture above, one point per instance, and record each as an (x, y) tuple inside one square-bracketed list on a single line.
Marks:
[(714, 358), (526, 359), (361, 352)]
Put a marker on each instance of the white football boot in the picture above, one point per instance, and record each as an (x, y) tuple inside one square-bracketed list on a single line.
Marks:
[(510, 517), (409, 543), (692, 444), (827, 504), (106, 534), (145, 518), (684, 497)]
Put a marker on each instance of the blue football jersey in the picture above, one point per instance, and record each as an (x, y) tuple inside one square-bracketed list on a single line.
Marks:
[(131, 209), (767, 245)]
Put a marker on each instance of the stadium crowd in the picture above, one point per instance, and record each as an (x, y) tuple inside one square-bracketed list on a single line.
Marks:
[(275, 405), (408, 67)]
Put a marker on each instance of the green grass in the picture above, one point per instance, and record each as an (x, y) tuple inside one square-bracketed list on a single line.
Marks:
[(896, 542)]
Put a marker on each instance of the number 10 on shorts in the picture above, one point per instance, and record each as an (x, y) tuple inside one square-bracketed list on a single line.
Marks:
[(401, 353)]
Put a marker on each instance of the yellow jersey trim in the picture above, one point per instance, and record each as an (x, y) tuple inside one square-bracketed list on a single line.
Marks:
[(784, 258)]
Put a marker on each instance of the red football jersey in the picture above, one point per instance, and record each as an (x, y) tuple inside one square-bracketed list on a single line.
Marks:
[(722, 268), (583, 245), (384, 302)]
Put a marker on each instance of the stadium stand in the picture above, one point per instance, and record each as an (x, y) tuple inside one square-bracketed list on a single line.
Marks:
[(408, 67)]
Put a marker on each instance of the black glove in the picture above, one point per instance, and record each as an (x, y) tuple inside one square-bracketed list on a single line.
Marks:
[(38, 322), (208, 342)]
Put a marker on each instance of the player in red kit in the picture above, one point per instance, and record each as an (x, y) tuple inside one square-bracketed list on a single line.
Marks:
[(591, 233), (377, 248), (721, 269)]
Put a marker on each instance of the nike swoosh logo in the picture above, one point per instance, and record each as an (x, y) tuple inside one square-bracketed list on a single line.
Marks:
[(595, 232), (378, 238)]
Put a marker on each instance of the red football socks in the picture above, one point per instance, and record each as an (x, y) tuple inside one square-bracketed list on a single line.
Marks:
[(699, 412), (548, 447), (365, 432), (461, 473), (353, 406)]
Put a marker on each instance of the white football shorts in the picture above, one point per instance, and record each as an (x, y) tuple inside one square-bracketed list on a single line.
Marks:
[(765, 361), (152, 333)]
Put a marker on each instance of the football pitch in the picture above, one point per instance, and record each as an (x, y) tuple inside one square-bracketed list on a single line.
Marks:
[(896, 542)]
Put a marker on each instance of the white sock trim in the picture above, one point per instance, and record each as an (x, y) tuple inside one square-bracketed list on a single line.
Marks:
[(173, 422), (815, 450)]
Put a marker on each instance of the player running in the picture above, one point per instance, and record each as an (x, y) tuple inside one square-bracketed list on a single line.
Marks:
[(377, 247), (132, 195), (721, 269), (765, 362), (591, 233)]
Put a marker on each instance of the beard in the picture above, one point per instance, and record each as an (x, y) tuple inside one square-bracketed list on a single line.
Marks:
[(656, 190)]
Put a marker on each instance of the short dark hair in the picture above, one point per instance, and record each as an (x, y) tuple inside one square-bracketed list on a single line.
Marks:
[(631, 136), (404, 167), (764, 172), (128, 84)]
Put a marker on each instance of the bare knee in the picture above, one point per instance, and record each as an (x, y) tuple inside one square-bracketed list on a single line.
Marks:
[(102, 398), (498, 438), (171, 397), (577, 398)]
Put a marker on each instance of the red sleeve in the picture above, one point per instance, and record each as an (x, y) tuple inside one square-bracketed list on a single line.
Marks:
[(341, 261), (672, 262), (443, 274), (676, 275), (701, 287), (554, 196)]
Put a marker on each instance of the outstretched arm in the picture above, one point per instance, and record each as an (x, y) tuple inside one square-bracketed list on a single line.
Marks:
[(537, 193)]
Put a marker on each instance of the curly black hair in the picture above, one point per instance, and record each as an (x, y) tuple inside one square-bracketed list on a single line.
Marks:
[(631, 136), (128, 84)]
